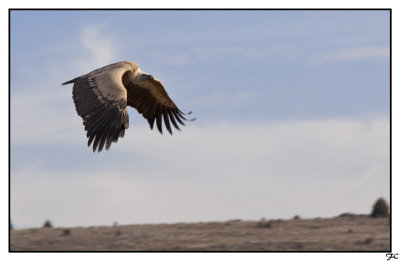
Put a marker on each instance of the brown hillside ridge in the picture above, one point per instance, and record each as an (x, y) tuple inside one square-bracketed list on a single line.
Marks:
[(347, 232)]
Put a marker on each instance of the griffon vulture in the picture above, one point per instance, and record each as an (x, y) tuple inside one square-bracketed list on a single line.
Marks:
[(101, 97)]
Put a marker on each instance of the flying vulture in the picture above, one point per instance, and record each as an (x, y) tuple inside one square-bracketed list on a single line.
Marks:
[(101, 97)]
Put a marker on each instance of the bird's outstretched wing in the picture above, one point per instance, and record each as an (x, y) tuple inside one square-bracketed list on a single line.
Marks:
[(150, 99), (100, 99)]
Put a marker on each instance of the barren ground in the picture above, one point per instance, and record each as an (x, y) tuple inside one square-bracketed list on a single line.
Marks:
[(346, 233)]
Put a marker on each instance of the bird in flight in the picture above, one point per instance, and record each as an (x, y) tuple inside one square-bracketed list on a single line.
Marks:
[(102, 95)]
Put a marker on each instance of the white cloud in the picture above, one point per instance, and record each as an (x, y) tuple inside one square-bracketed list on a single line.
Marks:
[(98, 43), (42, 118), (45, 113), (310, 168), (351, 55)]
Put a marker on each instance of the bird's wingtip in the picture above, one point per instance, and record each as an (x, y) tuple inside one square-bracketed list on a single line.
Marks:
[(64, 83), (71, 81), (189, 113)]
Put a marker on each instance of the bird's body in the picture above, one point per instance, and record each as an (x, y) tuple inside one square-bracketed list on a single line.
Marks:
[(102, 95)]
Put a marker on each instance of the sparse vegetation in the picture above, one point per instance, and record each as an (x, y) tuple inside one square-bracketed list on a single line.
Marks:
[(368, 240), (297, 217), (263, 223), (118, 233), (48, 224), (66, 232), (232, 222), (298, 245), (380, 209), (347, 214)]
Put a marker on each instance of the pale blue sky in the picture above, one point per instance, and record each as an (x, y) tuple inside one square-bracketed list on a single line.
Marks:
[(292, 108)]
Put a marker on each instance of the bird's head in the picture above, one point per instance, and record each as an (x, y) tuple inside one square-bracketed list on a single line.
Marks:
[(146, 77)]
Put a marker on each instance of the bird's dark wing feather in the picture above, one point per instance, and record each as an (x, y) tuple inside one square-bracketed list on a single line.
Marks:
[(101, 102), (152, 101)]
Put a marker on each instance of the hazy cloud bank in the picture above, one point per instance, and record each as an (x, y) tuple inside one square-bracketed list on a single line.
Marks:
[(215, 173)]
